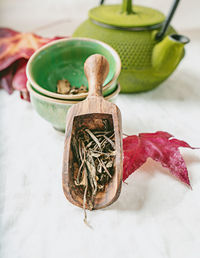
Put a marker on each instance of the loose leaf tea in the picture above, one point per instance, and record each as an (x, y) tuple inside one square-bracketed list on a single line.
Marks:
[(159, 146), (64, 87), (93, 160), (15, 50)]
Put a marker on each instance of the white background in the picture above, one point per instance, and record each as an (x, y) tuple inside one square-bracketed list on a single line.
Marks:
[(27, 15), (155, 216)]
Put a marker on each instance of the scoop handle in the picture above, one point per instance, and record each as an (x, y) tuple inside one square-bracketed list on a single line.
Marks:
[(96, 69)]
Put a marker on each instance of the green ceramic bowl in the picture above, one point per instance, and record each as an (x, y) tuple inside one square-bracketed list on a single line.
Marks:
[(105, 93), (55, 110), (64, 59)]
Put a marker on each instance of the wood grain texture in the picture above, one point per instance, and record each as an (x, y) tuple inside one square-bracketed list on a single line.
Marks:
[(96, 69)]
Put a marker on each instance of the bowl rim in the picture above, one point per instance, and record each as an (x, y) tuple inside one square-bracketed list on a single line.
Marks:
[(65, 102), (80, 95)]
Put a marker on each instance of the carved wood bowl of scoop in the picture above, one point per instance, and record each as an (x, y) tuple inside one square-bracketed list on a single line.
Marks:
[(92, 160)]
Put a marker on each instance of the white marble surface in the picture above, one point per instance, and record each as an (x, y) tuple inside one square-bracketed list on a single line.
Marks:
[(155, 216)]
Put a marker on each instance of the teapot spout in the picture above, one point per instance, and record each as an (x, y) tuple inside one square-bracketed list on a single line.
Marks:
[(168, 53)]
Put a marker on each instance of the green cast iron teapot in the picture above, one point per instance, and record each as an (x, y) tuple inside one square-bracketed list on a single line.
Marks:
[(149, 48)]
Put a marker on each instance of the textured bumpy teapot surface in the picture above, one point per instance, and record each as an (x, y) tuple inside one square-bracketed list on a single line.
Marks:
[(149, 48)]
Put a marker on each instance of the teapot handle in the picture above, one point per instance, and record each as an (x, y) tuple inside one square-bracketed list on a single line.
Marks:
[(167, 21)]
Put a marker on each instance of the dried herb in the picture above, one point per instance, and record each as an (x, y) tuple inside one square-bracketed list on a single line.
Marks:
[(64, 87), (94, 152)]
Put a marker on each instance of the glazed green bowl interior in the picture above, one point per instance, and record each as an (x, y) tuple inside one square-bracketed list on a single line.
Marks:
[(65, 60)]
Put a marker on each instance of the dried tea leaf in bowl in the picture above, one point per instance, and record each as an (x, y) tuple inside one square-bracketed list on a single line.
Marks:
[(83, 89), (63, 86)]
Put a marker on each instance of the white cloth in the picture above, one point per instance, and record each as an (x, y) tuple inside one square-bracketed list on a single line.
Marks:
[(155, 216)]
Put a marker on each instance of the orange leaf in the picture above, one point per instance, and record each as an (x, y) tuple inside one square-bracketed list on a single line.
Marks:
[(15, 45), (15, 49)]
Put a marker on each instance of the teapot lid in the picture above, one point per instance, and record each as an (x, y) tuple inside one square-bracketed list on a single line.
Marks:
[(115, 15)]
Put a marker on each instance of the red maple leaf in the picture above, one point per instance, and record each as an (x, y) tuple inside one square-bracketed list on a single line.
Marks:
[(159, 146), (15, 50)]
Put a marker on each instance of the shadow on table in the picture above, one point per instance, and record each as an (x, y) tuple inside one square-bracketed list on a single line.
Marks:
[(136, 195), (193, 34), (182, 86)]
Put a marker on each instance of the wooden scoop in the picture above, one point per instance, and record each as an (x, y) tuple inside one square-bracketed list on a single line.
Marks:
[(91, 114)]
